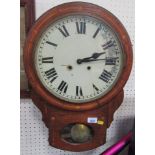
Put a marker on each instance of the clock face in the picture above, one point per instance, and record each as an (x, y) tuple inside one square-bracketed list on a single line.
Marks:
[(78, 58)]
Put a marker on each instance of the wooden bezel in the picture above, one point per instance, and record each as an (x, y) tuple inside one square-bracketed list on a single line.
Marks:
[(69, 9)]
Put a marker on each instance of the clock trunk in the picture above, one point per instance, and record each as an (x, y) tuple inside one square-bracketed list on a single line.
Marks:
[(57, 120)]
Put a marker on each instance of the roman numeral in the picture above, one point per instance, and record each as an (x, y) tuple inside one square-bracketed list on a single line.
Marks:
[(108, 44), (97, 31), (50, 43), (63, 87), (105, 76), (64, 31), (47, 60), (95, 88), (79, 91), (81, 27), (110, 61), (51, 73)]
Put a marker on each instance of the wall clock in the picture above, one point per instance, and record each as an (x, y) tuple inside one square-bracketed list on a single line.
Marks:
[(78, 57)]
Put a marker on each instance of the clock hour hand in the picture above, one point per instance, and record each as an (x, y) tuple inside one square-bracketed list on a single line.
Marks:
[(80, 61), (96, 55), (93, 57)]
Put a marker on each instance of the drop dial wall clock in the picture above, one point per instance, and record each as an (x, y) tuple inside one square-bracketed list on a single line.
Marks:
[(78, 57)]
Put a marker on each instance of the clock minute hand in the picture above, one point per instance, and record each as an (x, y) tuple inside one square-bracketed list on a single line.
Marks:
[(90, 60), (93, 57)]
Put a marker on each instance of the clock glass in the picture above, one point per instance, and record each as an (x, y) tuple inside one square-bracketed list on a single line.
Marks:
[(78, 58)]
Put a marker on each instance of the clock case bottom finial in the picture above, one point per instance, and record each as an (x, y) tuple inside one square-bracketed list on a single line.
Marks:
[(56, 119)]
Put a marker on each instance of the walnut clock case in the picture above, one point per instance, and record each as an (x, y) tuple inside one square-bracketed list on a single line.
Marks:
[(78, 57)]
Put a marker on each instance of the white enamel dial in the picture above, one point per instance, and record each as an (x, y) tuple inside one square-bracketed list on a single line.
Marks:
[(78, 58)]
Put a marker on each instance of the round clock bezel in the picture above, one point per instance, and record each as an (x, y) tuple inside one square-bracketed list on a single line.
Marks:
[(55, 14)]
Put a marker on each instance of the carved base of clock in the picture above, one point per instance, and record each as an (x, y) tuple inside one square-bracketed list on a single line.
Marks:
[(77, 131)]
